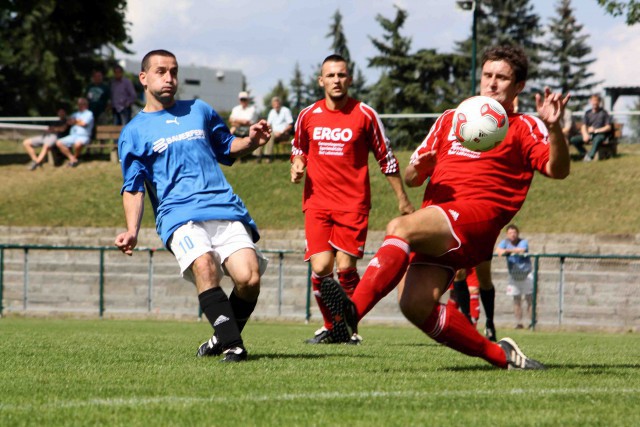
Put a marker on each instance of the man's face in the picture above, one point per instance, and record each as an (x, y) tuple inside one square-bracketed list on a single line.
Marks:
[(83, 104), (595, 103), (97, 77), (161, 78), (275, 104), (335, 79), (498, 82), (512, 234), (117, 73)]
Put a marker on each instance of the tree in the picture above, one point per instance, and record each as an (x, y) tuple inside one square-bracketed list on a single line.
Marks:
[(502, 22), (566, 55), (410, 82), (297, 91), (617, 8), (339, 46), (49, 47), (280, 90)]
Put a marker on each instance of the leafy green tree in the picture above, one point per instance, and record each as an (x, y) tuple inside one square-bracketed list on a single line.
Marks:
[(49, 47), (565, 55), (617, 8)]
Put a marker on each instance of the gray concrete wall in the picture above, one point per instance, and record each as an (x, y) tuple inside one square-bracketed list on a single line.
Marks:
[(592, 293)]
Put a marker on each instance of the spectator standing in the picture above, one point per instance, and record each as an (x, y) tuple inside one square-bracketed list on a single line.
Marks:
[(98, 93), (243, 116), (470, 197), (81, 123), (281, 122), (123, 95), (332, 141), (519, 266), (55, 131), (596, 128), (175, 148)]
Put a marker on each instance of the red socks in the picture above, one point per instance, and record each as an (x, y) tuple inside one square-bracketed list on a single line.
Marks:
[(324, 310), (451, 328), (384, 272), (349, 279)]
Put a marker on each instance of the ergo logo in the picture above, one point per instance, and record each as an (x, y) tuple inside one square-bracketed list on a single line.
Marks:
[(332, 134)]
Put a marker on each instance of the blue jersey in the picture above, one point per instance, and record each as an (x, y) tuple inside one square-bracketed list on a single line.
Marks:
[(519, 265), (175, 153)]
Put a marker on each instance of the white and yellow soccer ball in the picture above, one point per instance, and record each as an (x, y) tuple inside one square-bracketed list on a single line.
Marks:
[(480, 123)]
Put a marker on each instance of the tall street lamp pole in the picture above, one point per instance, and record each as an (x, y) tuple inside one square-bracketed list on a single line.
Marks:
[(473, 7)]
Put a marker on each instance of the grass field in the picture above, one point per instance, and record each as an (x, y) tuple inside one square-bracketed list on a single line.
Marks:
[(138, 372), (598, 197)]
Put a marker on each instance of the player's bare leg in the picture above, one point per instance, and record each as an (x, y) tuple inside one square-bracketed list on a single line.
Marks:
[(487, 296)]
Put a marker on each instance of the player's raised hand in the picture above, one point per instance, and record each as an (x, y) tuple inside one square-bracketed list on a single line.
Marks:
[(260, 132), (126, 242), (550, 106), (422, 167)]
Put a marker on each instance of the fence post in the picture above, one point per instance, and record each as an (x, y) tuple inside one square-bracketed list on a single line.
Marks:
[(308, 314), (25, 280), (280, 284), (150, 288), (1, 279), (101, 282), (534, 303), (561, 291)]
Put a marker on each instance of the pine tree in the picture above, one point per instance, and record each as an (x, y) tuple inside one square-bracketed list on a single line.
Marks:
[(339, 46), (565, 54), (501, 22), (630, 8), (279, 90), (297, 91)]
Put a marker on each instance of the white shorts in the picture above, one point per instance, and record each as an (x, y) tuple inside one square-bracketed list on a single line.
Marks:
[(520, 287), (48, 139), (71, 140), (221, 238)]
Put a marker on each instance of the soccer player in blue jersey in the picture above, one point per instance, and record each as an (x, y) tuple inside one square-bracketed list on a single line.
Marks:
[(172, 150)]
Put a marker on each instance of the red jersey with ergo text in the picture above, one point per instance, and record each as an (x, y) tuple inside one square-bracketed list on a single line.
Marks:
[(501, 176), (336, 145)]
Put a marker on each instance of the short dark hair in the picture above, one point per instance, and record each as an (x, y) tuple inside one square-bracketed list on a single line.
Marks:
[(334, 57), (513, 227), (511, 54), (159, 52)]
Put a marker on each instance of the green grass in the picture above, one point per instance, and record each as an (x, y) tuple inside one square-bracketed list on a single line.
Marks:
[(598, 197), (138, 372)]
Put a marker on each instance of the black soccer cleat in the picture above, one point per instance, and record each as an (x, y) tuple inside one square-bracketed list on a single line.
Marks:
[(322, 336), (211, 347), (235, 354), (516, 359), (343, 313)]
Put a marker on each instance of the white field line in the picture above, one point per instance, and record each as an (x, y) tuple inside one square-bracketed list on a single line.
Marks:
[(190, 401)]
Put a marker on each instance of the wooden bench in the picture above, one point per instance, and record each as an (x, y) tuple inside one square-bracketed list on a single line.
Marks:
[(106, 138), (609, 147)]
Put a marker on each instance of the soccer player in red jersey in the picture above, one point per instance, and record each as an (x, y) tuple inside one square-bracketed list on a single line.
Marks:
[(470, 197), (332, 141)]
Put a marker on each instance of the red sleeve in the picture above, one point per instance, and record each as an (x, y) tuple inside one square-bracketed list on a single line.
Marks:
[(535, 142), (438, 132), (300, 143), (380, 144)]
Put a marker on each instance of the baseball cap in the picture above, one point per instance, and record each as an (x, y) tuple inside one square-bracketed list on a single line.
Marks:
[(243, 94)]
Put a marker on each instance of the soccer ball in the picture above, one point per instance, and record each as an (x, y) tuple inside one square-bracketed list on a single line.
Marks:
[(480, 123)]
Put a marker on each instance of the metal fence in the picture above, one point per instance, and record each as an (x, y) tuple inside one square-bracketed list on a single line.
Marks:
[(569, 289)]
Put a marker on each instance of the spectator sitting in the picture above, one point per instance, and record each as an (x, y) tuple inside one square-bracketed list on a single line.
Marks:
[(123, 95), (56, 130), (81, 123), (281, 122), (98, 93), (596, 127), (242, 116)]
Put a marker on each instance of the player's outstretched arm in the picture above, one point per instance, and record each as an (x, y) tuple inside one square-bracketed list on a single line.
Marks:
[(550, 107), (259, 134), (297, 169), (416, 173), (133, 204), (404, 204)]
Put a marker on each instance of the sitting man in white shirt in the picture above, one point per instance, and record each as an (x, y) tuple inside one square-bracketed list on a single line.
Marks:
[(281, 122)]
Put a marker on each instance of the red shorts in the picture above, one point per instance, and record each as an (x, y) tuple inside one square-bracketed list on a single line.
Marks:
[(475, 226), (330, 231)]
